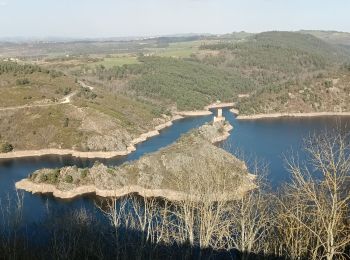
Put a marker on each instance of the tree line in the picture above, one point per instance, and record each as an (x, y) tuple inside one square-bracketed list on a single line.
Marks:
[(25, 69)]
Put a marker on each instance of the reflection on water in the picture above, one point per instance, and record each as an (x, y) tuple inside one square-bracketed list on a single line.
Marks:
[(268, 140), (274, 140), (36, 206)]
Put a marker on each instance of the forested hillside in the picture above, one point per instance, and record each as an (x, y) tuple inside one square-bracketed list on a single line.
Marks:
[(263, 73), (274, 71), (293, 72), (186, 84), (334, 37)]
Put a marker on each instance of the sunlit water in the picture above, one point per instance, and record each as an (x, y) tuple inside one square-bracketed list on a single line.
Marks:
[(267, 140)]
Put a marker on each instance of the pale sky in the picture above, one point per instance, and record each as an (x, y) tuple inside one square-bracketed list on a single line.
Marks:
[(113, 18)]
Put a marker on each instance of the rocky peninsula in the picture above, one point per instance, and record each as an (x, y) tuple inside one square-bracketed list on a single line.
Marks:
[(174, 172)]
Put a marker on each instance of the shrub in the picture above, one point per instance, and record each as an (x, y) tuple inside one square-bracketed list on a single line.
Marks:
[(84, 173), (6, 147), (43, 178), (67, 91), (328, 83), (68, 179), (66, 122), (24, 81), (110, 171), (52, 177)]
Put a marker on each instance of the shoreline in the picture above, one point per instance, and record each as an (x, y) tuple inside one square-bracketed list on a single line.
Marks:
[(111, 154), (172, 195), (93, 154), (281, 115), (194, 113), (169, 194)]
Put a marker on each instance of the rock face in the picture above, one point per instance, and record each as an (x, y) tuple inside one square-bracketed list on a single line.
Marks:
[(186, 168)]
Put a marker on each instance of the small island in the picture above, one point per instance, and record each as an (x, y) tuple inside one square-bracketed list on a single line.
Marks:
[(174, 172)]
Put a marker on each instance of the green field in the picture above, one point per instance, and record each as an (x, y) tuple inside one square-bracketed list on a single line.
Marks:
[(177, 50), (116, 61)]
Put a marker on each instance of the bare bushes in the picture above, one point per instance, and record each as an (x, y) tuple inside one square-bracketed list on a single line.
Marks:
[(214, 214), (307, 218), (313, 210), (11, 209)]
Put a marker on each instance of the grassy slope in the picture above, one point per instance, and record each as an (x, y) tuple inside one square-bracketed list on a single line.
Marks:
[(40, 84), (95, 120)]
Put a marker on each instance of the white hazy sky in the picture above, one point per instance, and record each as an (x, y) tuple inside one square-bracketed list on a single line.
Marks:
[(107, 18)]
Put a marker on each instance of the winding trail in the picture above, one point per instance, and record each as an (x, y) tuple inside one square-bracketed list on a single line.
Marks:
[(84, 85), (64, 100)]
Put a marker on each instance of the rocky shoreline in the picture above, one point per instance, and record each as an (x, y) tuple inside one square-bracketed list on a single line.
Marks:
[(153, 175), (111, 154), (92, 154), (194, 113), (279, 115), (32, 187), (171, 195)]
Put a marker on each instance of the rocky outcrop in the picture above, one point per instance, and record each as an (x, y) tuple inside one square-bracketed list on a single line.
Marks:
[(118, 149), (185, 168)]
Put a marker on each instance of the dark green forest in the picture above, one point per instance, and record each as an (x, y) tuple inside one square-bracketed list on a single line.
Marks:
[(186, 83), (270, 67)]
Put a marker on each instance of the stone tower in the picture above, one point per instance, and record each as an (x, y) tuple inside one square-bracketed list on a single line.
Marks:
[(219, 116)]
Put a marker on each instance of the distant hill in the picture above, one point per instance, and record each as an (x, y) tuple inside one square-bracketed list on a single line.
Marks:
[(334, 37)]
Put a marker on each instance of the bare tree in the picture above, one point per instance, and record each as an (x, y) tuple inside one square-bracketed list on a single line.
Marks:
[(316, 202), (114, 209)]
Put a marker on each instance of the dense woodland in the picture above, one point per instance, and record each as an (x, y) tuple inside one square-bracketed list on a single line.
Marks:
[(187, 84), (282, 64), (23, 69), (270, 67)]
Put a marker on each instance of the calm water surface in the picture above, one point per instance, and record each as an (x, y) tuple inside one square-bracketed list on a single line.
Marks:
[(267, 140)]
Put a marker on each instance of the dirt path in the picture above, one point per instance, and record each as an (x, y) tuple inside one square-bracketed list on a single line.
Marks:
[(64, 100), (84, 85)]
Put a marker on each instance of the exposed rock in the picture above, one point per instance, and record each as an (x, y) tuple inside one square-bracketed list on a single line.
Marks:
[(105, 143), (334, 90), (193, 162)]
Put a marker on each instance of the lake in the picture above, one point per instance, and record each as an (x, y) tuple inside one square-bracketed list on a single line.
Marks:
[(268, 140)]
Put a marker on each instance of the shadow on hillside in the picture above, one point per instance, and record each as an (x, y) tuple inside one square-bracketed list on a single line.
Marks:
[(96, 242)]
